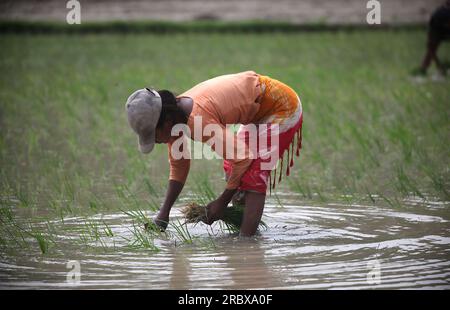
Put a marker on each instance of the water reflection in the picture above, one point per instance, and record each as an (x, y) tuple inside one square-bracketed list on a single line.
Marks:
[(179, 278), (248, 266), (235, 263)]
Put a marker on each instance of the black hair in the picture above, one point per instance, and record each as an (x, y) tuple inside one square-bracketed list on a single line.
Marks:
[(170, 109)]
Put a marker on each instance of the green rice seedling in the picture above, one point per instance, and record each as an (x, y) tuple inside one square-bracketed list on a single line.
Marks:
[(92, 230), (277, 198), (84, 239), (6, 213), (51, 229), (348, 198), (203, 190), (103, 244), (303, 189), (141, 239), (93, 205), (138, 216), (152, 205), (93, 233), (107, 230), (42, 241), (23, 196), (130, 201), (69, 189), (182, 232), (363, 143), (406, 185), (14, 230), (13, 236), (439, 183), (321, 195), (151, 190), (58, 209), (437, 177), (195, 213), (370, 195), (393, 202)]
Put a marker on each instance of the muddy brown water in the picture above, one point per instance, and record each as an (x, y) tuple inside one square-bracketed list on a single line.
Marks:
[(321, 246)]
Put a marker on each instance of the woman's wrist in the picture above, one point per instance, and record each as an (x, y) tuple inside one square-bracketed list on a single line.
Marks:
[(226, 196)]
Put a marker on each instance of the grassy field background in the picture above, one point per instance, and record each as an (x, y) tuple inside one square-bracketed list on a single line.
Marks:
[(371, 132)]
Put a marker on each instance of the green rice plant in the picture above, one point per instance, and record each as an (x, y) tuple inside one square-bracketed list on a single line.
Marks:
[(150, 188), (141, 239), (19, 235), (23, 196), (107, 230), (69, 189), (348, 198), (51, 229), (93, 233), (392, 202), (152, 205), (303, 188), (14, 235), (279, 202), (370, 195), (203, 190), (181, 232), (92, 229), (42, 241), (364, 143), (138, 216), (438, 181), (321, 195), (93, 205), (59, 209), (6, 213), (406, 184), (130, 201)]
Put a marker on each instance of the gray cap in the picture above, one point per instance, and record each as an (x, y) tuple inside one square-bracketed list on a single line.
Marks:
[(143, 109)]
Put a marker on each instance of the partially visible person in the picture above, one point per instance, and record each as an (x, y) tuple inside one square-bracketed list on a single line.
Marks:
[(438, 31)]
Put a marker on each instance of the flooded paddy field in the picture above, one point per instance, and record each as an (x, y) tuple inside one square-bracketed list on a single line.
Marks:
[(366, 206), (325, 246)]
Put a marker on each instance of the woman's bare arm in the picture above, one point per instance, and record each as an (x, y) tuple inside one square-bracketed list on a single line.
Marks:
[(173, 191)]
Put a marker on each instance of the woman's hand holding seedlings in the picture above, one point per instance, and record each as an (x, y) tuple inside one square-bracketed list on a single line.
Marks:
[(215, 209)]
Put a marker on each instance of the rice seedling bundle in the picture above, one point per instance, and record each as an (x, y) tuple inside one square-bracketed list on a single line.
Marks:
[(232, 218)]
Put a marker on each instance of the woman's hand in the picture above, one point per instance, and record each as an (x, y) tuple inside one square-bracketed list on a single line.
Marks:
[(215, 211), (161, 221)]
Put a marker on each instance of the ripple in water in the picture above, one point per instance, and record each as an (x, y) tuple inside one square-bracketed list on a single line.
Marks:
[(330, 246)]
